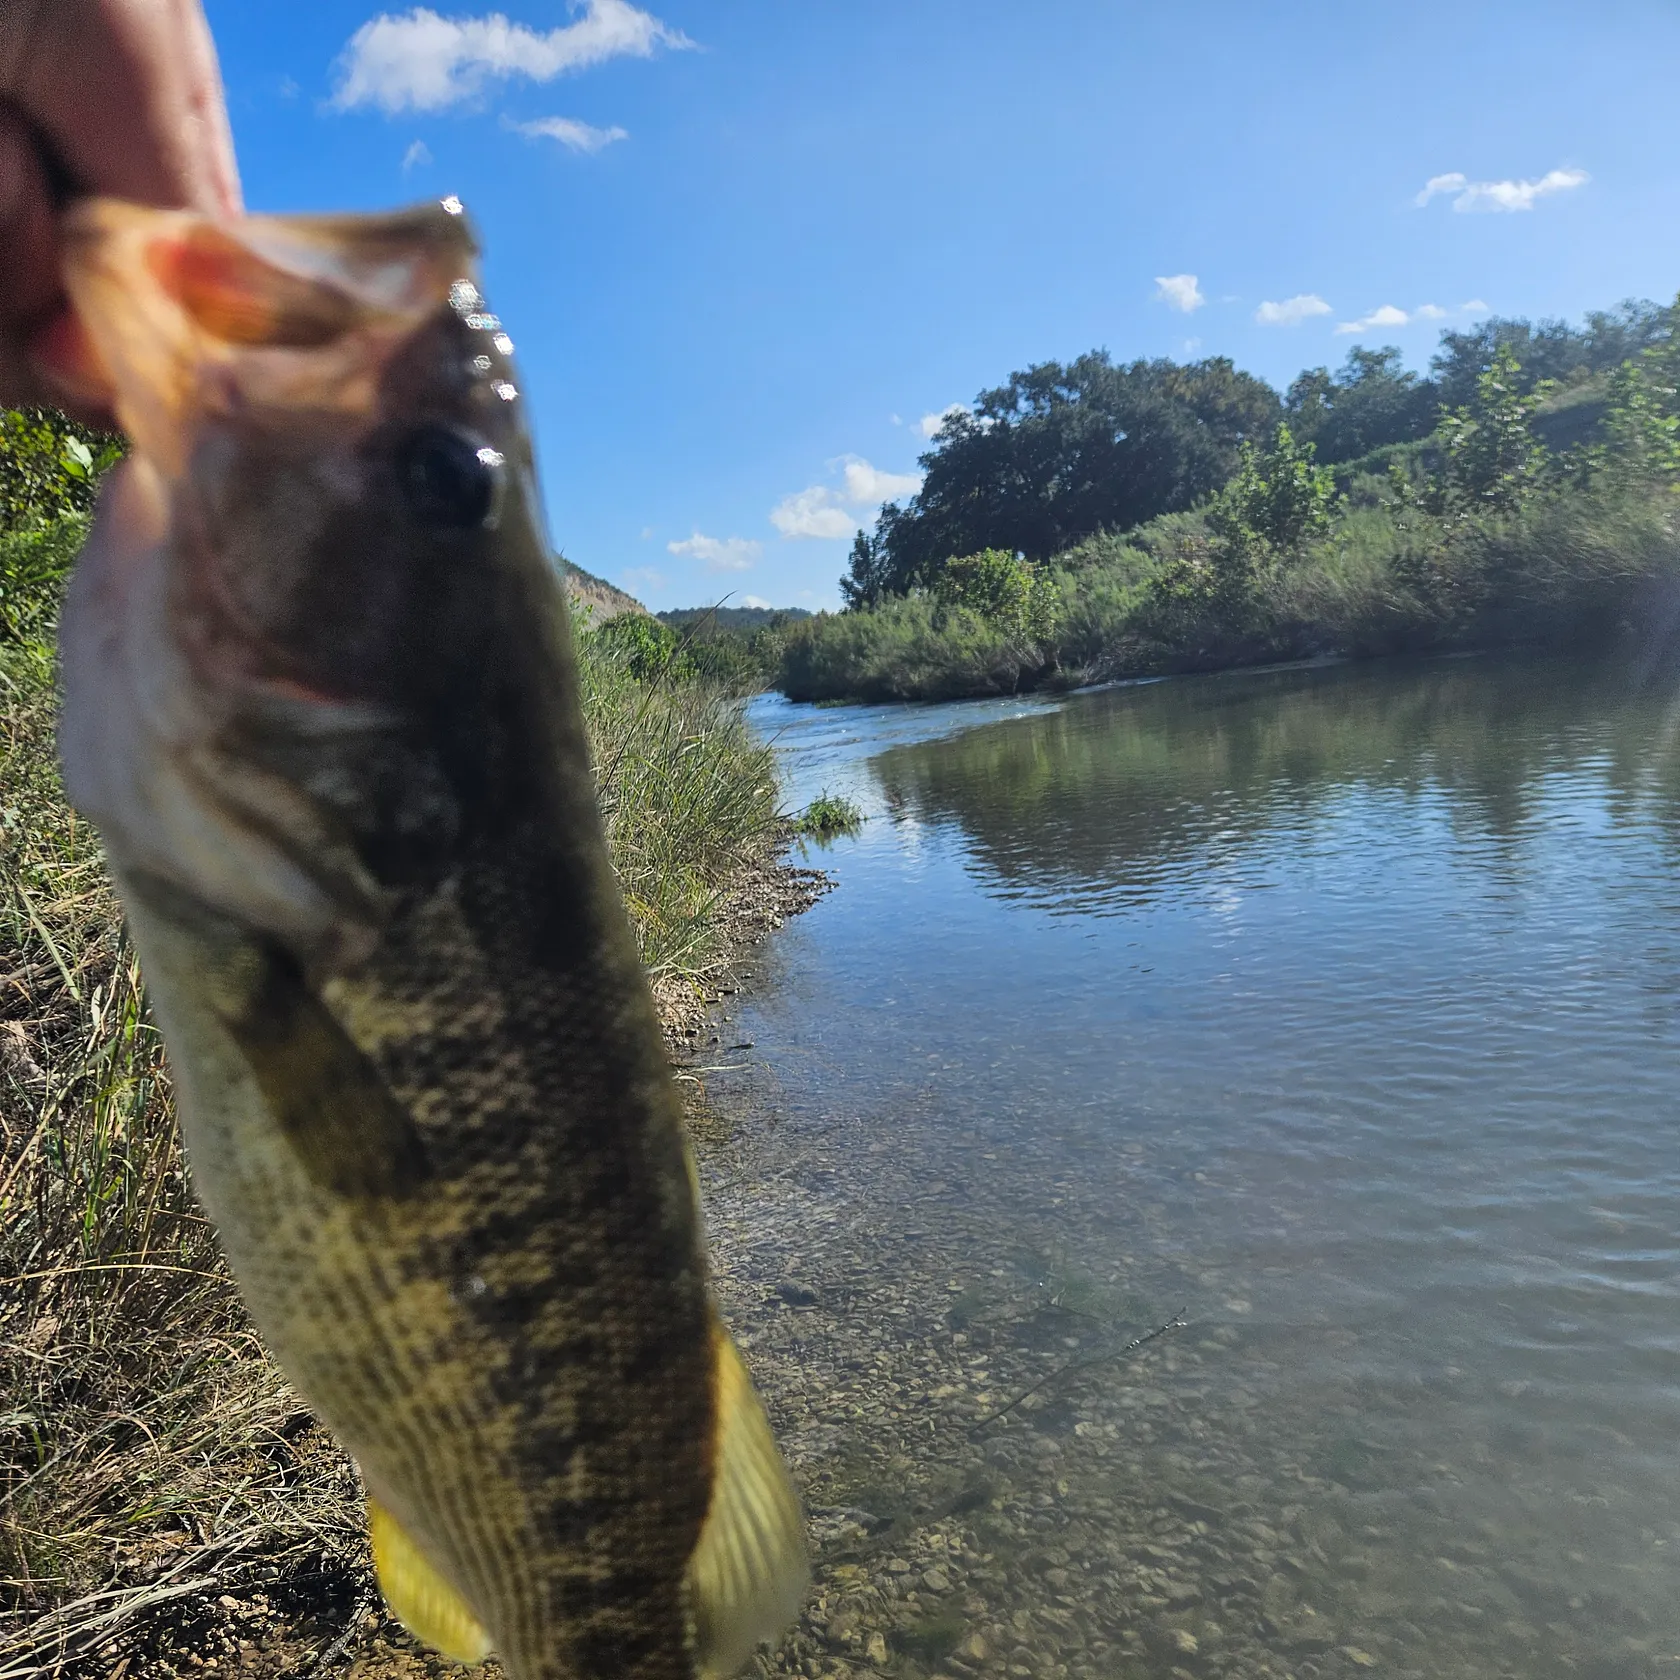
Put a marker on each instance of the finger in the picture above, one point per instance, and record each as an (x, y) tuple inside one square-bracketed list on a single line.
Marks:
[(29, 239), (209, 136), (128, 95)]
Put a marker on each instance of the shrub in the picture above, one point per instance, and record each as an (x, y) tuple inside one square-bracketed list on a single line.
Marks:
[(907, 648), (828, 816), (48, 466), (1006, 591)]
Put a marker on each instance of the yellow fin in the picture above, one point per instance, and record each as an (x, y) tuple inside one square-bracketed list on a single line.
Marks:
[(419, 1597), (748, 1573)]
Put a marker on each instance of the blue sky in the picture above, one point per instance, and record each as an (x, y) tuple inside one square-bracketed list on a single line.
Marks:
[(746, 248)]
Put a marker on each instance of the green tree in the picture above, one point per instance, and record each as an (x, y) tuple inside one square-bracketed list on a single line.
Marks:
[(1546, 349), (1373, 401), (1494, 462), (1004, 589), (1661, 363), (1641, 434), (864, 582), (1061, 452), (649, 649), (1278, 502)]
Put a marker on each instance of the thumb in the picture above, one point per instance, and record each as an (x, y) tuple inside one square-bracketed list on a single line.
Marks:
[(43, 354), (32, 292)]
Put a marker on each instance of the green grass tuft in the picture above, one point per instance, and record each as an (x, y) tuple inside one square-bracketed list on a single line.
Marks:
[(828, 817)]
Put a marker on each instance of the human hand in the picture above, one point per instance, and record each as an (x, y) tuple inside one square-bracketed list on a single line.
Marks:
[(121, 97)]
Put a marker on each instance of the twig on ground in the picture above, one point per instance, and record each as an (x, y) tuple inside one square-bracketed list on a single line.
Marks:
[(368, 1600), (1176, 1322)]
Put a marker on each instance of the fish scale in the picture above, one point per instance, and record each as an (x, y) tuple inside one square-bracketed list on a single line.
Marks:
[(319, 700)]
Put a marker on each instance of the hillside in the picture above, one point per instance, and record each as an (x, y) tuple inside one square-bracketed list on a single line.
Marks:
[(606, 601)]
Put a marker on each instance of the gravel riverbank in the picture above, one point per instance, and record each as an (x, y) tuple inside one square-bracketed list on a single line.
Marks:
[(996, 1488)]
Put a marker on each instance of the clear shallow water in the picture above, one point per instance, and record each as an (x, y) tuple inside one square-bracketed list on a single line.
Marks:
[(1338, 1008)]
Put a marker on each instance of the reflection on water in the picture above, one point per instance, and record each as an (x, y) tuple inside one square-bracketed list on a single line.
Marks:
[(1337, 1008)]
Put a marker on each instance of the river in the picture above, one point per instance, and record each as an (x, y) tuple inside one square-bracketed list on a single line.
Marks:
[(1329, 1013)]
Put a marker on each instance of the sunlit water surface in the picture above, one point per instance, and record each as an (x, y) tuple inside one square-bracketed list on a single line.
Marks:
[(1337, 1008)]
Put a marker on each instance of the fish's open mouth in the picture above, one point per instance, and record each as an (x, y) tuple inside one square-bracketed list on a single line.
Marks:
[(183, 314)]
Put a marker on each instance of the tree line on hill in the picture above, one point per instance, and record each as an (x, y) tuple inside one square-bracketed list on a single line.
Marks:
[(1095, 520), (1064, 451)]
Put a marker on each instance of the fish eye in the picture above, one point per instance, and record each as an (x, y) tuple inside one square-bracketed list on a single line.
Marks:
[(449, 478)]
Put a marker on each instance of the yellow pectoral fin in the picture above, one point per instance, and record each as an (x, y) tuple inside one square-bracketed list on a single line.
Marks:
[(419, 1597), (749, 1571)]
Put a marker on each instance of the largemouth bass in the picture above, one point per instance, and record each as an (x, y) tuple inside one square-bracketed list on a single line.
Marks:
[(319, 699)]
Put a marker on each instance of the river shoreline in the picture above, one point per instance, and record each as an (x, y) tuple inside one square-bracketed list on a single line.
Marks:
[(1406, 1423)]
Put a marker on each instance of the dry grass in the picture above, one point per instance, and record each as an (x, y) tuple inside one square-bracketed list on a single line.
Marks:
[(152, 1460), (147, 1445)]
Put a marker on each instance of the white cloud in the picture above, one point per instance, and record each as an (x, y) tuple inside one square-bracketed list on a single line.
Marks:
[(929, 424), (819, 510), (1179, 291), (417, 155), (865, 483), (1385, 315), (812, 513), (642, 577), (1449, 183), (577, 136), (1390, 315), (721, 554), (1468, 195), (1292, 311), (421, 61), (754, 601)]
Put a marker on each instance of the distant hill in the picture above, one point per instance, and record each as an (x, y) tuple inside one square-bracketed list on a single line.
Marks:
[(740, 621), (604, 600)]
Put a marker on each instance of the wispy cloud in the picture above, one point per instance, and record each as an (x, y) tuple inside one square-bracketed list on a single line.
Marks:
[(1385, 315), (1292, 311), (642, 577), (754, 601), (720, 554), (1179, 291), (423, 62), (1391, 315), (929, 424), (821, 510), (1468, 195), (417, 156), (576, 136)]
